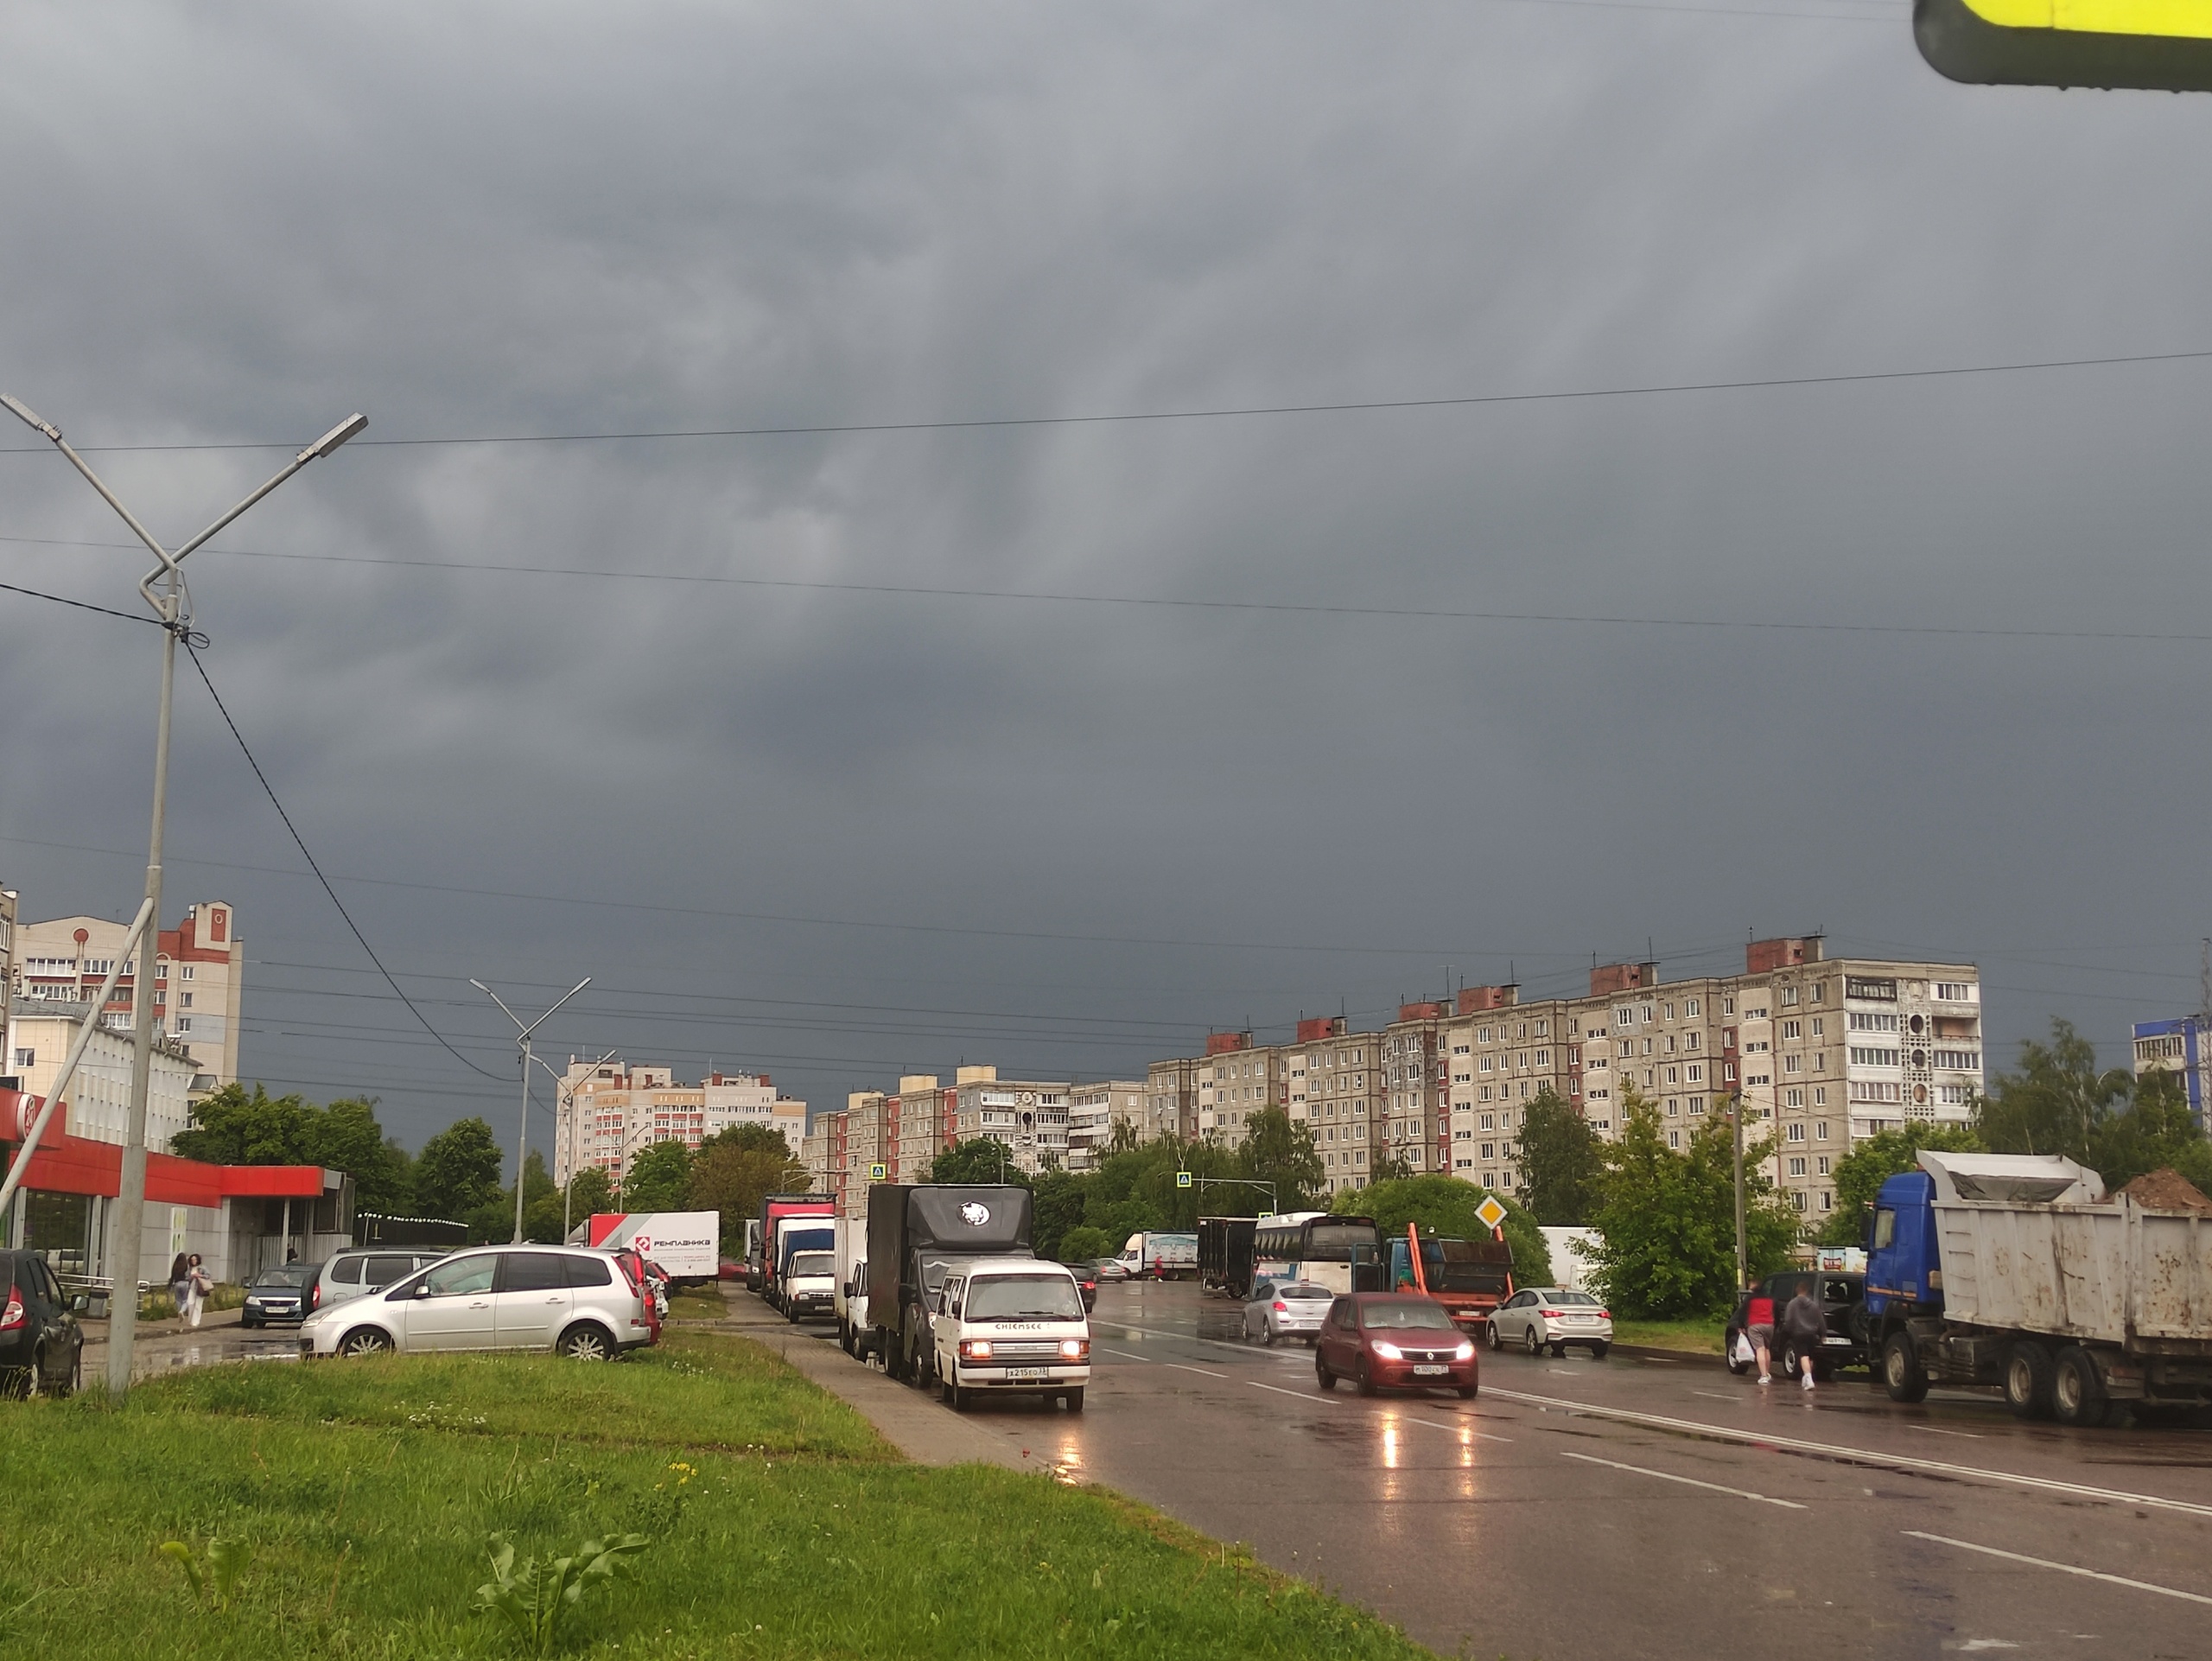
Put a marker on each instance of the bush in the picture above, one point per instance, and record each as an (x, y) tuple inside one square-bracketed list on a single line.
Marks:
[(1082, 1241)]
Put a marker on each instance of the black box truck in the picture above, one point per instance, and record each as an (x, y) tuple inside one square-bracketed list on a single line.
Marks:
[(913, 1231)]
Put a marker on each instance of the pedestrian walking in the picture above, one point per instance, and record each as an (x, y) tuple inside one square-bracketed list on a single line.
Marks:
[(1758, 1324), (197, 1287), (1804, 1325), (181, 1282)]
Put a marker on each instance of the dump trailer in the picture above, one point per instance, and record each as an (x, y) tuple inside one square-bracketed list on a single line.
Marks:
[(1226, 1255), (915, 1229), (2019, 1272), (1470, 1278)]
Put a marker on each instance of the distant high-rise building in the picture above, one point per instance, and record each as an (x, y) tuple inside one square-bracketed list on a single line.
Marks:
[(2182, 1045)]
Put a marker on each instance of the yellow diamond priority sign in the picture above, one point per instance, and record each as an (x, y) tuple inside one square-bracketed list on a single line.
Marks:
[(2159, 45), (1490, 1211)]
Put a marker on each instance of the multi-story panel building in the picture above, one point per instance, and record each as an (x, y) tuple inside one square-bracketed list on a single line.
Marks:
[(98, 1105), (1336, 1085), (1416, 1125), (1171, 1098), (928, 1125), (606, 1114), (734, 1099), (1095, 1111), (866, 1133), (2182, 1046), (1494, 1055), (198, 978), (1236, 1079), (814, 1154), (1029, 1116)]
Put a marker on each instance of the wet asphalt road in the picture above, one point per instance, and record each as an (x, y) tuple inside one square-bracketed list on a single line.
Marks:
[(1632, 1507)]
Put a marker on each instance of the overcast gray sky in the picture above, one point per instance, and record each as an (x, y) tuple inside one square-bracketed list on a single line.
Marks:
[(835, 832)]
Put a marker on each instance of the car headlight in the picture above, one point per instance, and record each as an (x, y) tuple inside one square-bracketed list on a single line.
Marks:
[(1075, 1349), (1465, 1353), (1387, 1350)]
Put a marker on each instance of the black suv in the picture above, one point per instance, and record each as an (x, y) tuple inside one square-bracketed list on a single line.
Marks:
[(42, 1346), (1843, 1302)]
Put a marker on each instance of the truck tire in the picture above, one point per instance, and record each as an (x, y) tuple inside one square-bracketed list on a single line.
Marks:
[(2028, 1374), (2077, 1390), (1901, 1374)]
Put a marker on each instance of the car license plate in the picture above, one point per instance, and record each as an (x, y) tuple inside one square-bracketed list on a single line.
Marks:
[(1429, 1373), (1025, 1372)]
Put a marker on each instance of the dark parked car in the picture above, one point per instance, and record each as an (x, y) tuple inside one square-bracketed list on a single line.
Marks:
[(1085, 1272), (282, 1296), (42, 1346), (1394, 1340), (1843, 1304)]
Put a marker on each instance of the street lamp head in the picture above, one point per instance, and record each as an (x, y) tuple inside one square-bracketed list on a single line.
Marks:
[(352, 427), (23, 413)]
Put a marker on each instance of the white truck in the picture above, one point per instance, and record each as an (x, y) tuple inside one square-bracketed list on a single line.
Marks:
[(687, 1244), (849, 1299), (1010, 1325), (2019, 1271), (1169, 1255)]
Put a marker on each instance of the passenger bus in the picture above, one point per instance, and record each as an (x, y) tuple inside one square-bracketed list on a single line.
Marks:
[(1226, 1255), (1342, 1253)]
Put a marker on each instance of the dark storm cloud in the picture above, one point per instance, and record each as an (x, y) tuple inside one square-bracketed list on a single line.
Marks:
[(244, 221)]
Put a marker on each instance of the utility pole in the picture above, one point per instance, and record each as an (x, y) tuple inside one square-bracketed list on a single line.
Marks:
[(162, 589), (1743, 1262), (523, 1034), (568, 1091)]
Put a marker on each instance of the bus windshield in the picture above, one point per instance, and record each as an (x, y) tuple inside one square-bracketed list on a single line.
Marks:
[(1333, 1242)]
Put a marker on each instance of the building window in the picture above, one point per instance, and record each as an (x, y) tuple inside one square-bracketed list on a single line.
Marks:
[(26, 1059), (1789, 997), (1674, 1139), (1697, 1106), (1955, 991), (1797, 1168), (1821, 1165), (1797, 1198), (1797, 1134), (1863, 1057), (1821, 1097)]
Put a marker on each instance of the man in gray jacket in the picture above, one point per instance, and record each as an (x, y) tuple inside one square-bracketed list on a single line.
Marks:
[(1804, 1326)]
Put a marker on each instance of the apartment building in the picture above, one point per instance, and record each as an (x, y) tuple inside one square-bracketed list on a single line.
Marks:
[(1235, 1079), (98, 1105), (605, 1114), (2185, 1046), (1334, 1084), (1171, 1098), (1416, 1121), (1029, 1116), (198, 978), (1094, 1110)]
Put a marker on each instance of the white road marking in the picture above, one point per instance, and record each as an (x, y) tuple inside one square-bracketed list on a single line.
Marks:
[(1302, 1396), (1857, 1455), (1689, 1481), (1182, 1367), (1933, 1430), (1124, 1354), (2064, 1568), (1484, 1435), (1714, 1396)]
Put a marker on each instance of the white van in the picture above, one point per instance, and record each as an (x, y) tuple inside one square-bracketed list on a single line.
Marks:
[(1006, 1326), (849, 1298)]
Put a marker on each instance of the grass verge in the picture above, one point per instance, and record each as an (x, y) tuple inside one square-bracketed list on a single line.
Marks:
[(1698, 1337), (779, 1525)]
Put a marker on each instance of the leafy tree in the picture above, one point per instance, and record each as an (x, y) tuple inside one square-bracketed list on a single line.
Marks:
[(751, 1139), (1860, 1173), (657, 1178), (232, 1127), (495, 1219), (1562, 1162), (458, 1170), (1059, 1208), (1277, 1150), (2061, 1102), (1123, 1137), (1391, 1166), (1668, 1220), (733, 1170), (1445, 1206), (1082, 1241), (979, 1160), (2156, 1131)]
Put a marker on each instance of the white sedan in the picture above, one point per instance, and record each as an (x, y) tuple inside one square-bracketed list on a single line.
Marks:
[(1279, 1309), (1541, 1317)]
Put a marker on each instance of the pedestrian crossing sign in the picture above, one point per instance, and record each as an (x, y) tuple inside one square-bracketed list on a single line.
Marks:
[(2159, 45), (1490, 1211), (878, 1171), (1182, 1179)]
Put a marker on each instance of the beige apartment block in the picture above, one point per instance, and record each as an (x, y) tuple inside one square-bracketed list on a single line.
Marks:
[(198, 978), (927, 1123), (734, 1099), (605, 1114), (1416, 1121), (814, 1154), (1235, 1080), (1030, 1117), (1334, 1084), (1094, 1110), (98, 1106), (1171, 1098)]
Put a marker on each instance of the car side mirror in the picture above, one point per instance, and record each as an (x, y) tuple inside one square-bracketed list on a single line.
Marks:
[(81, 1304), (420, 1292)]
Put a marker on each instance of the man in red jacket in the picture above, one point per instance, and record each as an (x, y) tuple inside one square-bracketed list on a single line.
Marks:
[(1758, 1323)]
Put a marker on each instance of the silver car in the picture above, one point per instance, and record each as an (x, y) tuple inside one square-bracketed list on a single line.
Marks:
[(570, 1300), (1541, 1317), (1279, 1309), (357, 1272)]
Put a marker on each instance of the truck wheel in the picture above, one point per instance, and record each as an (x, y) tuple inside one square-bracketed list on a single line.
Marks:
[(2077, 1393), (1901, 1374), (1074, 1399), (2028, 1373)]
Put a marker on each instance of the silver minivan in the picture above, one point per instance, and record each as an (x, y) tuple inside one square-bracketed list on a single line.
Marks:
[(363, 1269)]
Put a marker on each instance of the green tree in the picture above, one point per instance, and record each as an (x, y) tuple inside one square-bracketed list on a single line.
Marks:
[(233, 1128), (1059, 1198), (1860, 1173), (1667, 1218), (1275, 1151), (1562, 1161), (979, 1160), (1445, 1206), (2156, 1131), (733, 1170), (590, 1190), (1391, 1165), (1082, 1241), (540, 1220), (458, 1170), (656, 1178), (346, 1137), (2056, 1102)]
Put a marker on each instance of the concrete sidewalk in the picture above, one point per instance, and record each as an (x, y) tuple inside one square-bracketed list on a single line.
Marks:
[(917, 1425)]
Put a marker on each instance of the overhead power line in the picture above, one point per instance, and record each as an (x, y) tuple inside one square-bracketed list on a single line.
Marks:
[(1223, 412)]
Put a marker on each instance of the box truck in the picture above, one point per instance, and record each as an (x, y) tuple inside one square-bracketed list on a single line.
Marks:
[(687, 1244), (914, 1231)]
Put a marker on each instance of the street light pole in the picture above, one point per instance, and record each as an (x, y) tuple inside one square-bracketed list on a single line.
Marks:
[(522, 1044), (163, 590), (1743, 1263), (569, 1090)]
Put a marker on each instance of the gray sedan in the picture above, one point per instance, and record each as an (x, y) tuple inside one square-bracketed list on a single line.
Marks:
[(1541, 1317), (1280, 1309)]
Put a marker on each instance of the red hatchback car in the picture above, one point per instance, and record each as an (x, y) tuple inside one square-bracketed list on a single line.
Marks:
[(1392, 1340)]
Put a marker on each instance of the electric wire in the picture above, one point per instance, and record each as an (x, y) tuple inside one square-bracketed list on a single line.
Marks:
[(1219, 413), (84, 605), (299, 842)]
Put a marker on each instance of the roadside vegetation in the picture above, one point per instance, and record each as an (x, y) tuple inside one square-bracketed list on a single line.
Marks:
[(438, 1506)]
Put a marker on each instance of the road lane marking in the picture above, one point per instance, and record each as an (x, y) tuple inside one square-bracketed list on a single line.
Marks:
[(1125, 1355), (1933, 1430), (1714, 1396), (1858, 1455), (1484, 1435), (1688, 1482), (1183, 1367), (2064, 1568), (1303, 1396)]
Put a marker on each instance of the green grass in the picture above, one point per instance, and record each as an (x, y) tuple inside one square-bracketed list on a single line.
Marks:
[(1702, 1337), (780, 1526)]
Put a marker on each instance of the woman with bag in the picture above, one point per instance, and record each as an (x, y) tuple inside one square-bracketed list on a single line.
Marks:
[(181, 1282), (200, 1286)]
